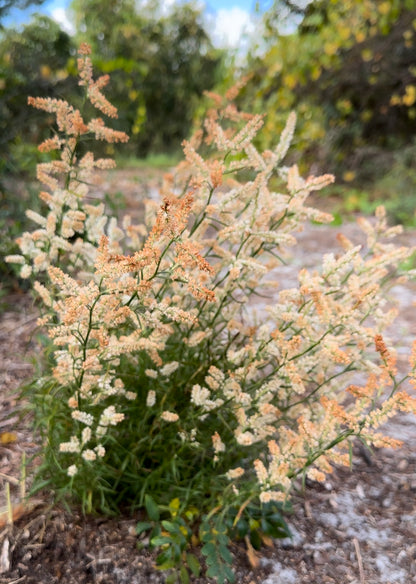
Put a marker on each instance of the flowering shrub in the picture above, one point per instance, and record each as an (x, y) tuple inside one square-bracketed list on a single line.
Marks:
[(166, 392)]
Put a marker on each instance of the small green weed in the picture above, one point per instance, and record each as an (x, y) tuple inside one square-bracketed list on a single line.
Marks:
[(171, 528)]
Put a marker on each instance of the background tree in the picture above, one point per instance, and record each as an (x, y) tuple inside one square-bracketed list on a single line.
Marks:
[(348, 71), (32, 62), (160, 64)]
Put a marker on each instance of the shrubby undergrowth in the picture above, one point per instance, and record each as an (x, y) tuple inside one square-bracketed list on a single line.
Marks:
[(166, 391)]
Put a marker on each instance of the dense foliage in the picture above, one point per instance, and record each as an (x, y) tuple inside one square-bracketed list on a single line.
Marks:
[(33, 61), (348, 71), (164, 61)]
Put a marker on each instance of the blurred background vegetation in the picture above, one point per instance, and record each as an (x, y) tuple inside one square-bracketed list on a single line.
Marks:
[(349, 72), (347, 67)]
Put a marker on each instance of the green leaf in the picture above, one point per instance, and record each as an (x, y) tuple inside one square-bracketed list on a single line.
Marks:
[(266, 527), (184, 575), (221, 573), (151, 508), (143, 526), (255, 539), (191, 512), (193, 564), (164, 561), (229, 574), (155, 531), (215, 572), (226, 554), (275, 526), (205, 536), (209, 550), (171, 527), (222, 539), (174, 506), (279, 531), (241, 528), (337, 220), (160, 540)]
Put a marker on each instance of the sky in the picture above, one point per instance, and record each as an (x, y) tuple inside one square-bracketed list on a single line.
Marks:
[(228, 20)]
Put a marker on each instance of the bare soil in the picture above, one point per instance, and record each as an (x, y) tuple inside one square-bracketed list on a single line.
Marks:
[(358, 527)]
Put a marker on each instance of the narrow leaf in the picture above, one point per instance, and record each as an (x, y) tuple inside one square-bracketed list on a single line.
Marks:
[(160, 540), (184, 575), (171, 527), (142, 526), (151, 508), (193, 564)]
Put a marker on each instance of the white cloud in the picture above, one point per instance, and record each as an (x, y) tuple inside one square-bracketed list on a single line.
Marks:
[(230, 26), (61, 17)]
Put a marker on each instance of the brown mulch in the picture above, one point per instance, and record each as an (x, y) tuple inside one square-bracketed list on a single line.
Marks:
[(358, 527)]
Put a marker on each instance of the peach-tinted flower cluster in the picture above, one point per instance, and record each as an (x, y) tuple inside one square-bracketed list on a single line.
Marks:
[(278, 393), (69, 232)]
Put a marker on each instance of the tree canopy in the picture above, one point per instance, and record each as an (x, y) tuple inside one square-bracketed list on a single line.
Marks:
[(32, 62), (347, 67), (160, 64), (348, 71)]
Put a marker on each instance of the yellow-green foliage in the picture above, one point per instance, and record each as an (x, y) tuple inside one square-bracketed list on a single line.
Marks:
[(348, 70)]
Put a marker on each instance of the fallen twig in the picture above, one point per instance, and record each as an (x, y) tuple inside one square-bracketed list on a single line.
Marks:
[(359, 560)]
